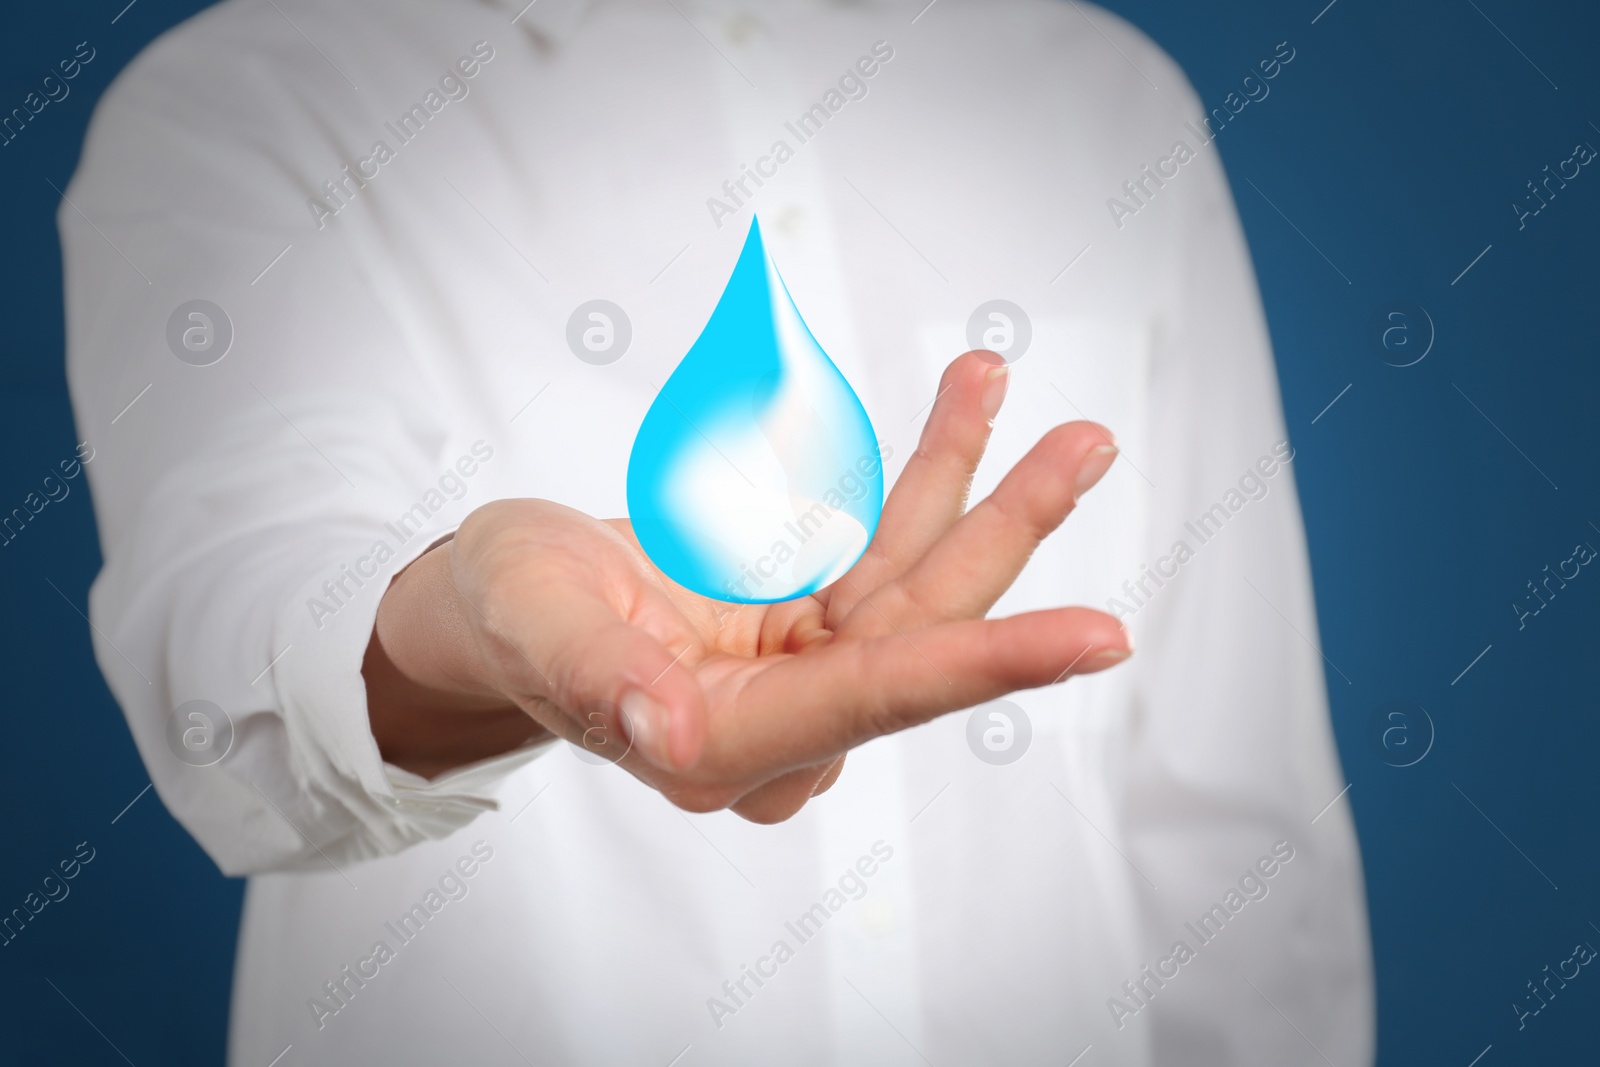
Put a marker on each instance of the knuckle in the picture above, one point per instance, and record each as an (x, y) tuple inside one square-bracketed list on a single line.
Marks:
[(874, 718), (1026, 516), (908, 606)]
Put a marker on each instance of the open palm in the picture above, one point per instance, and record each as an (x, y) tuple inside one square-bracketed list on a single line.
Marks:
[(754, 706)]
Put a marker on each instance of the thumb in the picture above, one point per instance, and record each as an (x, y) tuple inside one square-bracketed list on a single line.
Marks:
[(623, 690)]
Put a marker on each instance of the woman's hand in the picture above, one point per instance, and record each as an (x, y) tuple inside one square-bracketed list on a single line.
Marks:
[(537, 611)]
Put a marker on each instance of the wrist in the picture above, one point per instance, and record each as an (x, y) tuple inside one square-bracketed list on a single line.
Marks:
[(429, 703), (425, 630)]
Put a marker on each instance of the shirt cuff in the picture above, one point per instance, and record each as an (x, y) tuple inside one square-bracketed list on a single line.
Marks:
[(347, 803)]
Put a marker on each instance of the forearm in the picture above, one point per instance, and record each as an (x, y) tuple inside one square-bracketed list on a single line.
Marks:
[(428, 707)]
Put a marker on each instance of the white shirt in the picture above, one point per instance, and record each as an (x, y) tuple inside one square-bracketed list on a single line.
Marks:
[(406, 356)]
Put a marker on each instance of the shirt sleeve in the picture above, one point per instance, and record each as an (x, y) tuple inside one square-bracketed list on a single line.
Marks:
[(1232, 750), (252, 511)]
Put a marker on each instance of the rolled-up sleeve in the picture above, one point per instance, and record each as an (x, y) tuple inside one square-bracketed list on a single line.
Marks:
[(250, 510)]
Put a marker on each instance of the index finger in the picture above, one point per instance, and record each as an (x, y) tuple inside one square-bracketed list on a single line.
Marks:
[(931, 492)]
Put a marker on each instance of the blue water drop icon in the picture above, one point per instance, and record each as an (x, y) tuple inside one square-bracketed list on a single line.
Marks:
[(755, 476)]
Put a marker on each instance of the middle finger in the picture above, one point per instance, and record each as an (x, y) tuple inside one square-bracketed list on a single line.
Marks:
[(931, 492), (968, 569)]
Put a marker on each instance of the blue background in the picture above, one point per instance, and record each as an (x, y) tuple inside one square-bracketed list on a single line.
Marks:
[(1396, 142)]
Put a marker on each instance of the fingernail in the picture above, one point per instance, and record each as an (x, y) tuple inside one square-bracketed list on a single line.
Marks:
[(995, 382), (648, 725), (1099, 661), (1094, 467)]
